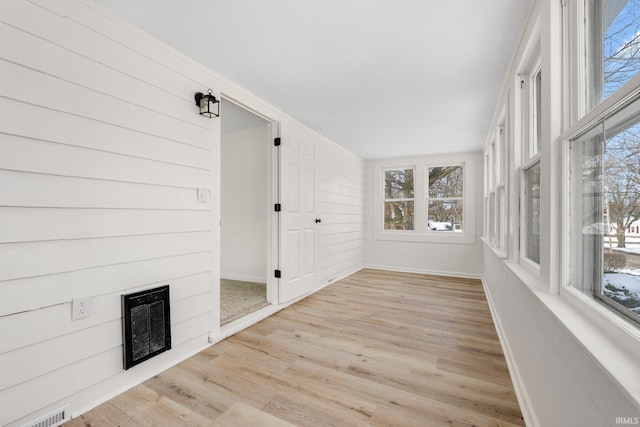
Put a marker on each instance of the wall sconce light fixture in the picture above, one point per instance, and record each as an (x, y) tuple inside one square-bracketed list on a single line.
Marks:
[(209, 105)]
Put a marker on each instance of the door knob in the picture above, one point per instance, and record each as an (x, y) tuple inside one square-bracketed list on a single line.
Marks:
[(318, 220)]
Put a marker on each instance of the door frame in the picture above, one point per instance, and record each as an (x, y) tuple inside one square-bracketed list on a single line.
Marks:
[(273, 171)]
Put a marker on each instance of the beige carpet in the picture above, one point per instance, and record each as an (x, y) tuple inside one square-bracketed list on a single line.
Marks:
[(238, 299)]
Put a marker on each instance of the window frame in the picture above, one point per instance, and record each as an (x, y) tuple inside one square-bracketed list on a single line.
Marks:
[(531, 109), (580, 117), (421, 233), (406, 199), (531, 149), (598, 117), (496, 228), (443, 199), (524, 258), (596, 94)]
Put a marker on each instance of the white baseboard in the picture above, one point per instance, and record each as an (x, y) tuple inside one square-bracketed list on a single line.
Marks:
[(143, 372), (424, 271), (526, 407)]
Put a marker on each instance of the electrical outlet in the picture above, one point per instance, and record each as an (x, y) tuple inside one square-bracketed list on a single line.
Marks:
[(203, 195), (80, 308)]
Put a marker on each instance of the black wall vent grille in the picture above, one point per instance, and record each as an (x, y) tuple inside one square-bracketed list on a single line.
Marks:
[(146, 325)]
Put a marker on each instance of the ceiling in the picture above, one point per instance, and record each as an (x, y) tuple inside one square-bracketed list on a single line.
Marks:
[(382, 78)]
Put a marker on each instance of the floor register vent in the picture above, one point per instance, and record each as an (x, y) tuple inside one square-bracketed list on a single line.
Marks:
[(52, 419)]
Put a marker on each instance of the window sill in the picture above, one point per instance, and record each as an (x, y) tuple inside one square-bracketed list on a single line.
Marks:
[(528, 276), (614, 348), (445, 237), (612, 340), (498, 251)]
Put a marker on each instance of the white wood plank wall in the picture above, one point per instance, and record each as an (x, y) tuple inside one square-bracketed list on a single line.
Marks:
[(341, 206), (101, 153)]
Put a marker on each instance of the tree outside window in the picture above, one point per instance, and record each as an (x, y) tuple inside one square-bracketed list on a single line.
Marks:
[(613, 47), (622, 183), (398, 199), (445, 198), (606, 179)]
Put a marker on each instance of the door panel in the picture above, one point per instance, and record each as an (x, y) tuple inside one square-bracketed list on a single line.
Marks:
[(299, 236), (293, 182), (310, 242), (293, 264), (310, 188)]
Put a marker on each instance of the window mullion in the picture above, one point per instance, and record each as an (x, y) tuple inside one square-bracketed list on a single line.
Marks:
[(421, 194)]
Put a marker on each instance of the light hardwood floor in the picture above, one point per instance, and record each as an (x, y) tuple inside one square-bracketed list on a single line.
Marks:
[(377, 348)]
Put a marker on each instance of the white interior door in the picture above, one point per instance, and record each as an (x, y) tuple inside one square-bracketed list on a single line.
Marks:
[(298, 226)]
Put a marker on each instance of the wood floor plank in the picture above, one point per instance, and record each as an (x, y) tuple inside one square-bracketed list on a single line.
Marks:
[(243, 415), (377, 348)]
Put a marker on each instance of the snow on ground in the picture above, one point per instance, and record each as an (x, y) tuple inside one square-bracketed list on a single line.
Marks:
[(633, 272), (624, 280), (624, 285), (631, 248), (623, 288)]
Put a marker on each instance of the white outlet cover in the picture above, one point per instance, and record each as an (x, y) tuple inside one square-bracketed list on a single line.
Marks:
[(80, 308), (203, 195)]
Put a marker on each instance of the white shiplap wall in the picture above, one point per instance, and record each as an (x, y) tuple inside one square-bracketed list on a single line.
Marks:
[(341, 205), (101, 152)]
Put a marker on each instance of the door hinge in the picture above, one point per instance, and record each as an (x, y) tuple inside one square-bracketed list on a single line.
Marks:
[(277, 207), (277, 274), (276, 142)]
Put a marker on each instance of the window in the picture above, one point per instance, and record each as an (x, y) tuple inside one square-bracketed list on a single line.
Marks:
[(445, 198), (532, 213), (605, 202), (398, 199), (502, 217), (488, 213), (530, 170), (492, 216), (604, 178), (536, 138), (425, 199), (495, 194), (612, 55)]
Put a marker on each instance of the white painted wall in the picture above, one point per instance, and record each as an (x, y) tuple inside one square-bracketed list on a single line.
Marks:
[(430, 257), (244, 204), (101, 153)]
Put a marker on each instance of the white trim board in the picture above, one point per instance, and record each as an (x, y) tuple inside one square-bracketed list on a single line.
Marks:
[(424, 271)]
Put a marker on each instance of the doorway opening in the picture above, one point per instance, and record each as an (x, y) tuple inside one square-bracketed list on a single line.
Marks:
[(246, 204)]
